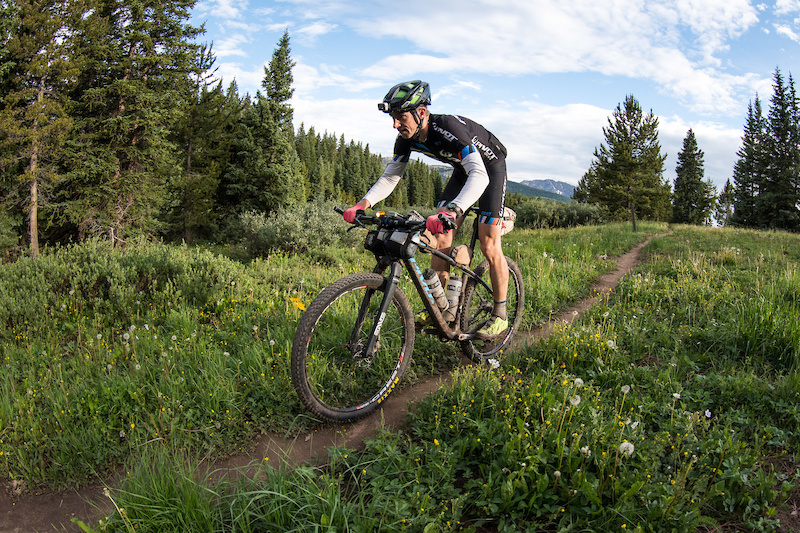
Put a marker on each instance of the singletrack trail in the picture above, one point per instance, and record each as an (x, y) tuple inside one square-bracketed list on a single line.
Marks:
[(22, 512)]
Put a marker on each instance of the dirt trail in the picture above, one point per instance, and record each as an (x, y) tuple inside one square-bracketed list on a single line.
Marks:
[(50, 511)]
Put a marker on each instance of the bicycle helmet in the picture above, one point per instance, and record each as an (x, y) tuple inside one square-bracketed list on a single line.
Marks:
[(406, 96)]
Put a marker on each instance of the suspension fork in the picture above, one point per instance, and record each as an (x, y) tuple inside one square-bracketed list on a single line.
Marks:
[(390, 284)]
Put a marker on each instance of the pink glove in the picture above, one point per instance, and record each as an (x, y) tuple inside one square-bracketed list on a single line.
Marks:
[(350, 214), (436, 226)]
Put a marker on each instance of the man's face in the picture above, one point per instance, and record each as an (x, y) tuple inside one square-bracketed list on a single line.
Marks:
[(405, 123)]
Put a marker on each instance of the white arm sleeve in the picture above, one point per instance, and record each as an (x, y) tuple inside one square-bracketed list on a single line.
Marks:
[(386, 183), (477, 181)]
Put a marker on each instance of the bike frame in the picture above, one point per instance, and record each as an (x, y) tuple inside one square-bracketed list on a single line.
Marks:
[(392, 280)]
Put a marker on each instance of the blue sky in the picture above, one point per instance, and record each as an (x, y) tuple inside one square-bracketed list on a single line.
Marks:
[(543, 75)]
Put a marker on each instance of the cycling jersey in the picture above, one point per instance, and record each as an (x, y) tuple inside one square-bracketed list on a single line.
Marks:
[(477, 157)]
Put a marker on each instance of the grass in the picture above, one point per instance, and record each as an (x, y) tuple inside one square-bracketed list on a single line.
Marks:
[(670, 406), (107, 352)]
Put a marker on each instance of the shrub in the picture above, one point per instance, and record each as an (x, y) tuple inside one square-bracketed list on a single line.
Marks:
[(314, 225), (538, 213)]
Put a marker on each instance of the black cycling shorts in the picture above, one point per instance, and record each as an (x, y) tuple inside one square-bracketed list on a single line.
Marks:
[(493, 198)]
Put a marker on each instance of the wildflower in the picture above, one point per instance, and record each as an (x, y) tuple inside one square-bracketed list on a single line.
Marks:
[(272, 343), (676, 395), (255, 328), (494, 363), (146, 327), (605, 315), (626, 389), (99, 336), (578, 382), (125, 337), (297, 303), (626, 448), (708, 413), (174, 338), (557, 474), (586, 451), (611, 344), (138, 366), (635, 425), (436, 441), (575, 400)]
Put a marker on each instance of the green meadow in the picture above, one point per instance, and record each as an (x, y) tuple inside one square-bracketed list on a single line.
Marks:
[(671, 405)]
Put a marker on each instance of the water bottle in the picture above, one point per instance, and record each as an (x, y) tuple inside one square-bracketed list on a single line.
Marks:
[(435, 286), (452, 293)]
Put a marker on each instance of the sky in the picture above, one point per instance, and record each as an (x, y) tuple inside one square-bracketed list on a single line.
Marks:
[(544, 76)]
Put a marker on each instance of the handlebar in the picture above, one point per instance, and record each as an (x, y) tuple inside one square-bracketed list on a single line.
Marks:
[(396, 221)]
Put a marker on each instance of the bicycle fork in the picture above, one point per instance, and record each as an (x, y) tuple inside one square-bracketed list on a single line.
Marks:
[(392, 280)]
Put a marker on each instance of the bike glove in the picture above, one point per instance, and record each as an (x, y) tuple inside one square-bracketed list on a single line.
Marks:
[(350, 214), (435, 225)]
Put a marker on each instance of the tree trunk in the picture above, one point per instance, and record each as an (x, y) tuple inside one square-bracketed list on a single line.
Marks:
[(633, 215), (33, 213), (33, 217)]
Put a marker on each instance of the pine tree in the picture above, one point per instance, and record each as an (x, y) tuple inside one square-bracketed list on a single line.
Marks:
[(692, 197), (627, 173), (137, 54), (724, 209), (33, 113), (9, 19), (749, 169), (265, 172), (776, 205), (277, 83), (203, 136)]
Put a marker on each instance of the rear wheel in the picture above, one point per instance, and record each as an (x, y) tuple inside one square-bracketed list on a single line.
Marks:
[(331, 371), (478, 304)]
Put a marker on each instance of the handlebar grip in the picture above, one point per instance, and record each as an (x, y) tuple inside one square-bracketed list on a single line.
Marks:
[(447, 222)]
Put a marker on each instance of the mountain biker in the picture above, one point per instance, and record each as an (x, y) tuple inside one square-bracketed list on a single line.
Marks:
[(479, 174)]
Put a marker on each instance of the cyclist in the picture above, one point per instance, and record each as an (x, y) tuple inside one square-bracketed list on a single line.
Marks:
[(479, 175)]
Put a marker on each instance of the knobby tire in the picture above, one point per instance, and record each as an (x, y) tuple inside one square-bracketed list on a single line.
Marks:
[(477, 310), (331, 372)]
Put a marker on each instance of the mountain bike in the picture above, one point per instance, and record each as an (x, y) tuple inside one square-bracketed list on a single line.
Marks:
[(354, 342)]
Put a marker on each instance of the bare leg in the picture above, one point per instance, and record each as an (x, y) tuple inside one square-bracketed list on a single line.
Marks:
[(492, 249)]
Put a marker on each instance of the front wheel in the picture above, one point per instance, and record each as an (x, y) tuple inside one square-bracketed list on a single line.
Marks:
[(332, 372), (478, 304)]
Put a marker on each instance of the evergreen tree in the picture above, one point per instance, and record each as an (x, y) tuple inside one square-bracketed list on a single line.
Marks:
[(776, 205), (692, 197), (724, 209), (33, 113), (277, 83), (749, 169), (203, 136), (265, 171), (627, 173), (9, 19), (137, 54)]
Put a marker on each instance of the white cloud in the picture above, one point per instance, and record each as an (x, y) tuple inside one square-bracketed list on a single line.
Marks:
[(231, 46), (787, 7), (224, 9), (314, 30), (616, 38), (787, 31), (718, 142)]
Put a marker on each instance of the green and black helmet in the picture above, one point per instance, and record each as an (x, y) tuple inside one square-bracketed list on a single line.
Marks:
[(406, 96)]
